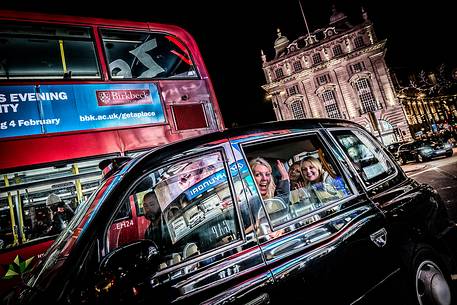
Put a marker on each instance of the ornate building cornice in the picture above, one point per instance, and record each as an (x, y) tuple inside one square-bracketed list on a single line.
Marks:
[(342, 75), (334, 62)]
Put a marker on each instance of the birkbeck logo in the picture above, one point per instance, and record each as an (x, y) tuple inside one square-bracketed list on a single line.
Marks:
[(123, 97)]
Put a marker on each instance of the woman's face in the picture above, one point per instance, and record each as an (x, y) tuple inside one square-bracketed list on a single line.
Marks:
[(262, 176), (310, 172), (294, 172)]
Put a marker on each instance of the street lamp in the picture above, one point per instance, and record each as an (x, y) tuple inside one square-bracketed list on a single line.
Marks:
[(421, 97)]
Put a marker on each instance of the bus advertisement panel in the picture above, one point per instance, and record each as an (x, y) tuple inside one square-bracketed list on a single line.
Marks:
[(33, 110)]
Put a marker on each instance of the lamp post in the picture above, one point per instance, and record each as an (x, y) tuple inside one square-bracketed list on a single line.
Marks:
[(421, 97), (375, 124)]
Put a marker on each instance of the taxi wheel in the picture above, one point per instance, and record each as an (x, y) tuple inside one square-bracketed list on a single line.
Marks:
[(431, 284)]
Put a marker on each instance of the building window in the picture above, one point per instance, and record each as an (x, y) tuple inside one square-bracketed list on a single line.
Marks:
[(337, 51), (357, 67), (358, 42), (279, 73), (317, 58), (298, 66), (297, 109), (323, 79), (331, 107), (385, 126), (292, 90), (366, 96)]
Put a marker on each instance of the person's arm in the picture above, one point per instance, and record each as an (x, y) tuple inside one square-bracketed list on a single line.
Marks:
[(282, 170), (340, 186), (283, 186), (283, 189)]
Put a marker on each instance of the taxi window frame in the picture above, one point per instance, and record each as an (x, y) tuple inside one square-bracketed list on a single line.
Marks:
[(376, 143), (298, 222), (181, 157)]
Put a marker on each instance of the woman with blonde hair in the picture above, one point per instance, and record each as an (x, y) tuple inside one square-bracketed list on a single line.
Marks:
[(263, 177), (312, 171), (318, 179)]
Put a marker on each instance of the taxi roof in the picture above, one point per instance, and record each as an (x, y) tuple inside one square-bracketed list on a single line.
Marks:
[(162, 153)]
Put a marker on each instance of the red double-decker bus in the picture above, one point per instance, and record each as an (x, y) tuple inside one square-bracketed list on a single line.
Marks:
[(75, 91)]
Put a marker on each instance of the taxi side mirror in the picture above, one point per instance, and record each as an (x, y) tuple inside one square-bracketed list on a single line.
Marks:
[(125, 267)]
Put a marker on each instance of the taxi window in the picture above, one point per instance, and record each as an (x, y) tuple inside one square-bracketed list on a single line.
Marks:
[(367, 156), (187, 209), (295, 178)]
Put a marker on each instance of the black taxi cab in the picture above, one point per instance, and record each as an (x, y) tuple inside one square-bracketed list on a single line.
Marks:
[(378, 237)]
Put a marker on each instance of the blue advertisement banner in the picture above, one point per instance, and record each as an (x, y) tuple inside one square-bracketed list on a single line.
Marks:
[(215, 179), (30, 110)]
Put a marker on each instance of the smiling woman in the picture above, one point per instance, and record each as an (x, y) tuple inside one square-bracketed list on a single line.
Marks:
[(395, 26), (262, 172)]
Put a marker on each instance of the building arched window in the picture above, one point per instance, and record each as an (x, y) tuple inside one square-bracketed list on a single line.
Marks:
[(297, 109), (365, 95), (390, 134), (330, 105), (385, 126)]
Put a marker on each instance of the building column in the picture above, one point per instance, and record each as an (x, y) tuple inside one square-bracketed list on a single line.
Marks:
[(275, 100)]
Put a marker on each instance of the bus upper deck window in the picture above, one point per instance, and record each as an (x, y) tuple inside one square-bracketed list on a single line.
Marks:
[(146, 56), (47, 52)]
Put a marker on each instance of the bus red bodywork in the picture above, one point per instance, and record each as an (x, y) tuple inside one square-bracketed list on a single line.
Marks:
[(189, 106)]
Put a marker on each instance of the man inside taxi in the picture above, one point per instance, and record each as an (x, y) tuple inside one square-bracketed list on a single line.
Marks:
[(156, 230)]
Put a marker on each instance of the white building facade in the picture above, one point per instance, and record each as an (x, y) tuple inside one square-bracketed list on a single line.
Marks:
[(336, 72)]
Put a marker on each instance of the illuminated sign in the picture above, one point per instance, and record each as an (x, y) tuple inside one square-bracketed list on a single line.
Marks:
[(43, 109), (214, 180)]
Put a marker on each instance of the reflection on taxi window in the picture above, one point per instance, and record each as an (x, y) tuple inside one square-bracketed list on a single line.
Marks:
[(369, 160), (193, 200), (185, 177)]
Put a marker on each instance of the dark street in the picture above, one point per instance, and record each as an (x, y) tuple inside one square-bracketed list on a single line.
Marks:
[(442, 175)]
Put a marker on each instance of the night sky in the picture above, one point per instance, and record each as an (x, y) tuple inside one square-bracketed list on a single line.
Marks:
[(232, 33)]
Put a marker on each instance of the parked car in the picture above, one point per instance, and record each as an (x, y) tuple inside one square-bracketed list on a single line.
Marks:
[(380, 238), (424, 150), (393, 147)]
